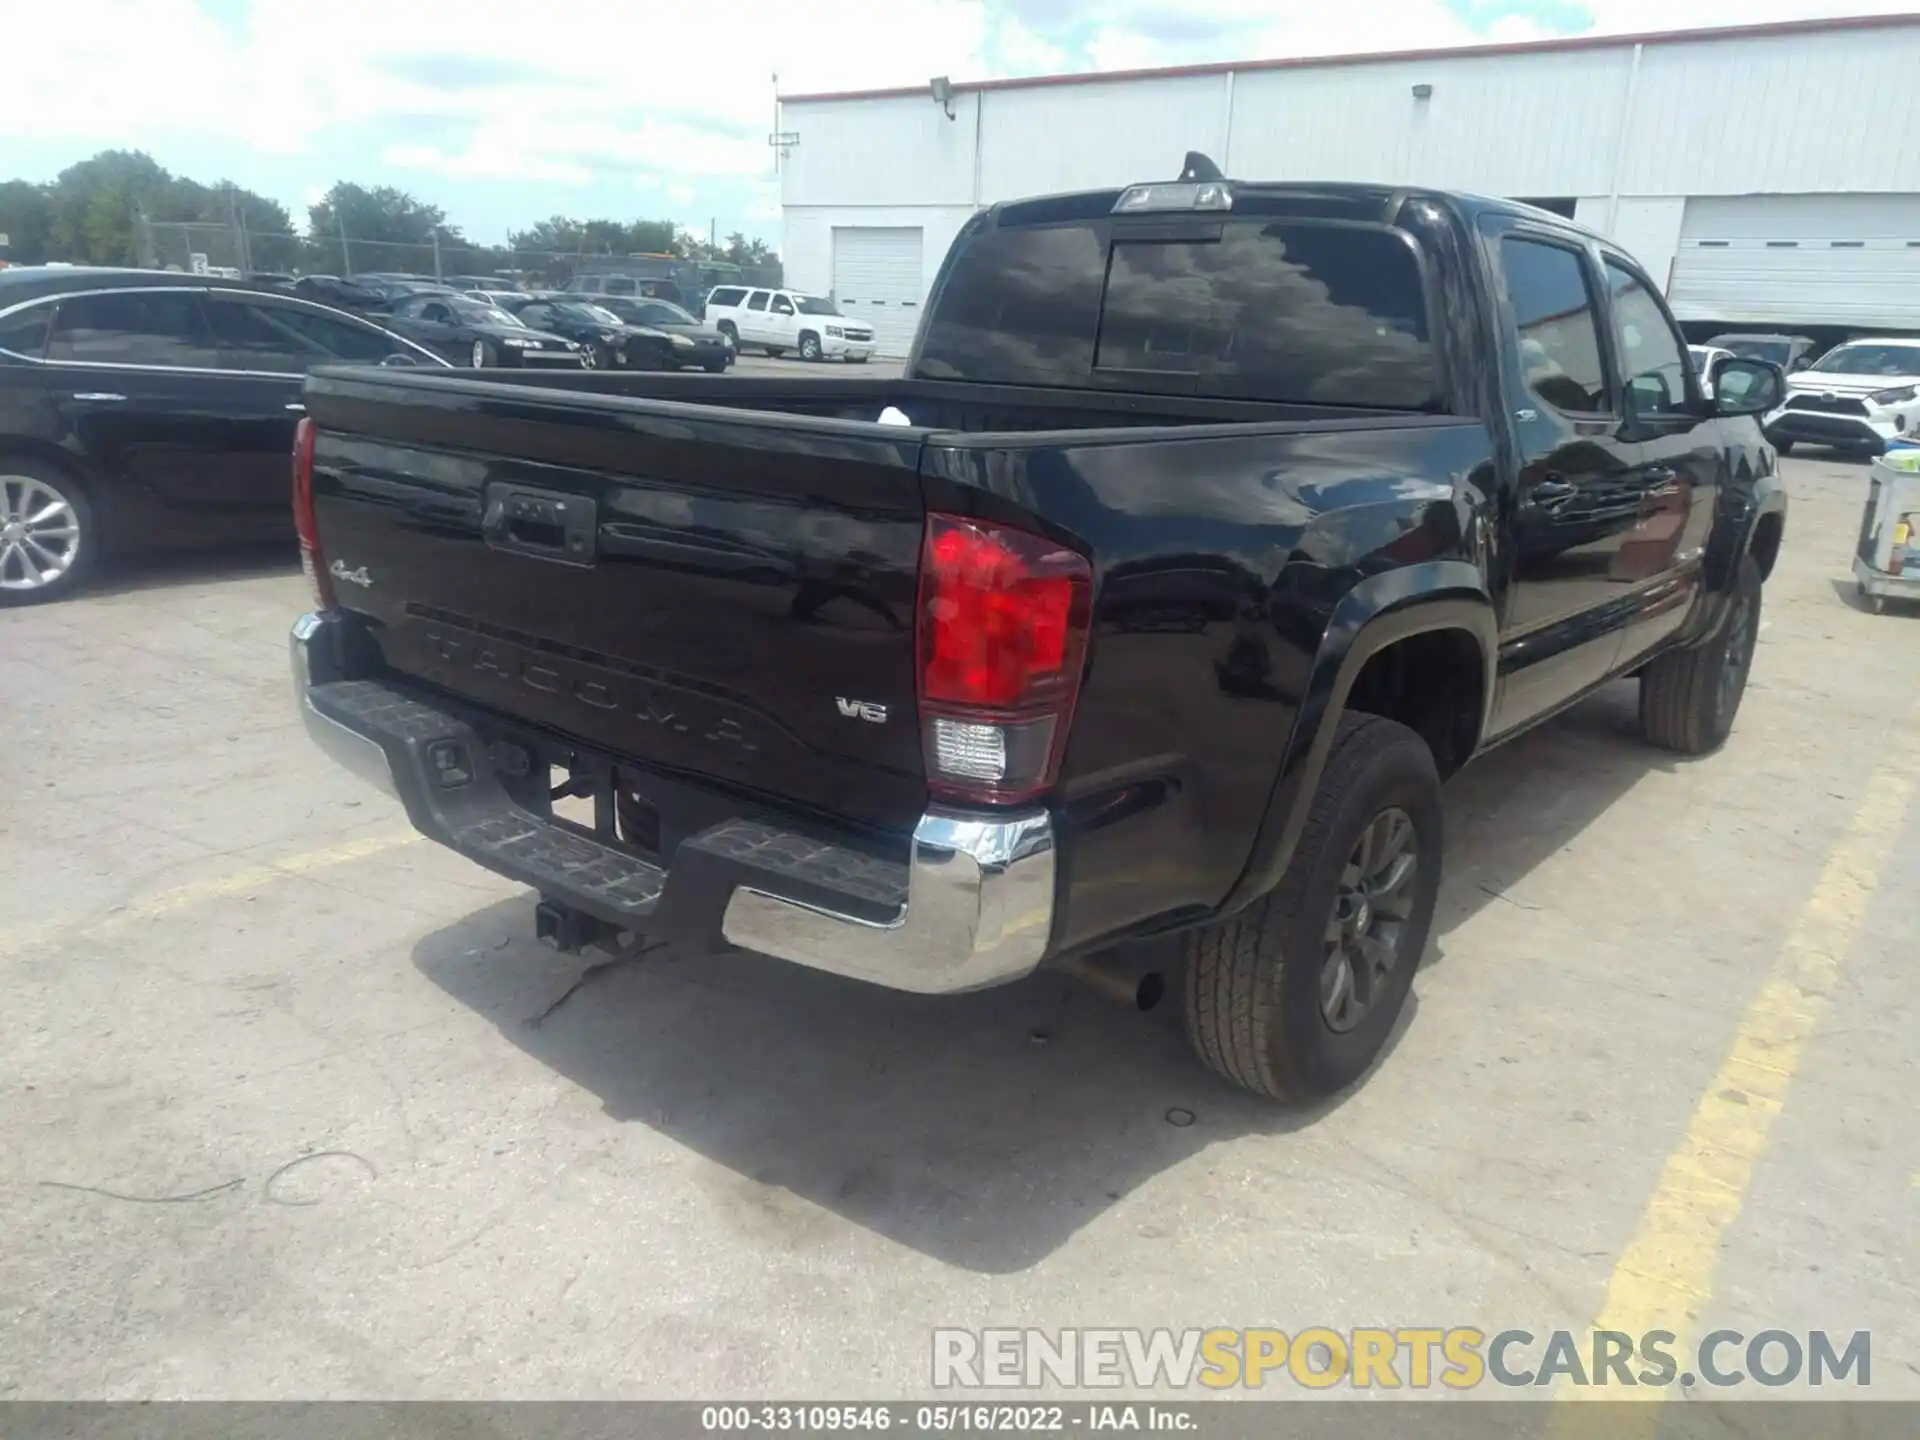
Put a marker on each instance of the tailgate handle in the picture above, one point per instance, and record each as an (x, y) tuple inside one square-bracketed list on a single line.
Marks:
[(543, 524)]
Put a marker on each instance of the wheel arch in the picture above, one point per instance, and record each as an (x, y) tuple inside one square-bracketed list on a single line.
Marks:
[(1430, 613)]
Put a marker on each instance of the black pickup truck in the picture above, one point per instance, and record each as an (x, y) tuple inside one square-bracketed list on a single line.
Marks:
[(1227, 520)]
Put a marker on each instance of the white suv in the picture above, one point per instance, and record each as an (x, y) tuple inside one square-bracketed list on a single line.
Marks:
[(782, 320), (1857, 396)]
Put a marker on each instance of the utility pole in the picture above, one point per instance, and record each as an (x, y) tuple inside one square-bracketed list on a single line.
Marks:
[(713, 231), (436, 254), (346, 256)]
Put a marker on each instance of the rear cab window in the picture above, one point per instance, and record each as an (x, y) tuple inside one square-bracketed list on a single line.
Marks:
[(1275, 306)]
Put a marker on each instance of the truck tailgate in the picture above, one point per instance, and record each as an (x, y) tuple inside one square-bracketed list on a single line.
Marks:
[(719, 594)]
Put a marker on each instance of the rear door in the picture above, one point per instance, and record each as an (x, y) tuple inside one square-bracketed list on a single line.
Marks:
[(1678, 460), (267, 344), (753, 321), (1579, 493)]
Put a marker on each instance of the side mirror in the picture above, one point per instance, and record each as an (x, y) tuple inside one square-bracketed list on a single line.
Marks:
[(399, 361), (1747, 387)]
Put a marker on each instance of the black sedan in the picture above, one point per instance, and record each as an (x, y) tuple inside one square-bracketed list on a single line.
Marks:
[(613, 343), (709, 349), (341, 294), (140, 410), (471, 331)]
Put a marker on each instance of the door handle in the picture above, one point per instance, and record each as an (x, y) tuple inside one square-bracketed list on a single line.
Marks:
[(1550, 492), (102, 396)]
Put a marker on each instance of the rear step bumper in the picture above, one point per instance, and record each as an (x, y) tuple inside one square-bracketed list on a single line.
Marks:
[(971, 906)]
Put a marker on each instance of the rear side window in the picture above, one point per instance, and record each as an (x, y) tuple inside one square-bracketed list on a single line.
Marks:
[(759, 300), (25, 331), (619, 285), (1652, 366), (265, 336), (134, 327), (1557, 324), (726, 295), (1285, 310)]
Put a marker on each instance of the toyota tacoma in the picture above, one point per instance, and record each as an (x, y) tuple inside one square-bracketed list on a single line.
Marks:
[(1211, 526)]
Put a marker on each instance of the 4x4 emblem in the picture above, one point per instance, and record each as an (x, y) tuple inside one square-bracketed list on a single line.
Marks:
[(359, 577)]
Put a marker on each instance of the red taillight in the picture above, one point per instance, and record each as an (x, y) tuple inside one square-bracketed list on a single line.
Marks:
[(1002, 631), (304, 524)]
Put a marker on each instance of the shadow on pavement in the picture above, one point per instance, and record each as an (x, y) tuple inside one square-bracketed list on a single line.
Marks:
[(983, 1130), (128, 574)]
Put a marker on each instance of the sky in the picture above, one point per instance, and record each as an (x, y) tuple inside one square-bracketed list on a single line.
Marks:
[(504, 114)]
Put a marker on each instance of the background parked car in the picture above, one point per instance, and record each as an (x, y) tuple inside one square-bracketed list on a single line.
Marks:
[(1704, 358), (709, 349), (478, 283), (781, 320), (611, 341), (340, 294), (1858, 396), (1789, 352), (141, 410), (470, 331)]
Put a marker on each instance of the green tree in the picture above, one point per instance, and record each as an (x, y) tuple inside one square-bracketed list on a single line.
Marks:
[(26, 217), (564, 235), (94, 204)]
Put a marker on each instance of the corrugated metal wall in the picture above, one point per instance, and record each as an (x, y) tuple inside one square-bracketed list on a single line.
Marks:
[(1807, 113)]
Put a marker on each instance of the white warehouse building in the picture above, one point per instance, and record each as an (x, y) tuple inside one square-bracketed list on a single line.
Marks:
[(1770, 173)]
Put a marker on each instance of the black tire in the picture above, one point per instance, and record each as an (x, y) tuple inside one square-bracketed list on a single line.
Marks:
[(715, 367), (774, 352), (810, 346), (1783, 447), (16, 476), (856, 359), (1256, 1012), (605, 357), (1688, 698), (732, 332), (483, 355)]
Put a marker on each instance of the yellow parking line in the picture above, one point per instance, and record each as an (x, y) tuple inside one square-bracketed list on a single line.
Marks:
[(217, 887), (1665, 1275)]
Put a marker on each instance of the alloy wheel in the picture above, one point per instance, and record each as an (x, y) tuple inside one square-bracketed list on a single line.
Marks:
[(479, 354), (39, 533), (1371, 908)]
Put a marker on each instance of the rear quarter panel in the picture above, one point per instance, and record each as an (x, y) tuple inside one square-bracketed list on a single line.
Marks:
[(1220, 555)]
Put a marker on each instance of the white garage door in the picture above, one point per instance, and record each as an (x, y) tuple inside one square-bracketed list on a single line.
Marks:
[(876, 279), (1784, 260)]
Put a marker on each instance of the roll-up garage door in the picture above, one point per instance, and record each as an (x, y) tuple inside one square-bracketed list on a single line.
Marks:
[(876, 280), (1800, 260)]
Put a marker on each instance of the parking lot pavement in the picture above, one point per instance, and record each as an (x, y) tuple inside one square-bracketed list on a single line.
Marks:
[(296, 1106)]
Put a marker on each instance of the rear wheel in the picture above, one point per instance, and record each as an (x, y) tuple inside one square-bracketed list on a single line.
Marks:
[(1688, 698), (1296, 995), (1783, 447), (776, 351), (810, 346), (48, 538), (715, 367), (483, 355), (856, 359), (728, 329)]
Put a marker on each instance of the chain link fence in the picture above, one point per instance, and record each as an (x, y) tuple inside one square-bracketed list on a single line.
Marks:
[(202, 247)]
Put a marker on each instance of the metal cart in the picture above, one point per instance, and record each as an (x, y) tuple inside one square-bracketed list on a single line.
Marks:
[(1887, 562)]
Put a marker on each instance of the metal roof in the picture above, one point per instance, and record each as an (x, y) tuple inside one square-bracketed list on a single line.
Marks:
[(1306, 62)]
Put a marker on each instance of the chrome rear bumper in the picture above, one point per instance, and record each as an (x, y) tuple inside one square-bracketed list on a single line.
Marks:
[(971, 904)]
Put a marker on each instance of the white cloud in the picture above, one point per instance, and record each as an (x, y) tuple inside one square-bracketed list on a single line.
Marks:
[(482, 98)]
